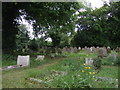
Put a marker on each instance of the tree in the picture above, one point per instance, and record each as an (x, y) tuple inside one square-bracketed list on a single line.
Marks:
[(22, 38), (57, 18), (48, 18), (101, 25)]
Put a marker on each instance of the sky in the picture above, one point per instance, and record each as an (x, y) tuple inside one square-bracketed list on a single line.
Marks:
[(94, 4)]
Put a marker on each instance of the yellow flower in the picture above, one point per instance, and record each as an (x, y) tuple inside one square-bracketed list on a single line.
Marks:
[(84, 64), (90, 72), (83, 71), (88, 67)]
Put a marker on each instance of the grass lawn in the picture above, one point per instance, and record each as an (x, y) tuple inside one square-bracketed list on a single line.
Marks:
[(72, 64)]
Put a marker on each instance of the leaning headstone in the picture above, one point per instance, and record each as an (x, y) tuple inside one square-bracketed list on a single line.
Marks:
[(40, 57), (23, 60)]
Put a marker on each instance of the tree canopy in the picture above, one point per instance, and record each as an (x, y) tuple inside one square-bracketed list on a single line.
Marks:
[(58, 20)]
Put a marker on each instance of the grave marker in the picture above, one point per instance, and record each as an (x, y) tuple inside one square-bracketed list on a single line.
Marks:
[(40, 57), (23, 60)]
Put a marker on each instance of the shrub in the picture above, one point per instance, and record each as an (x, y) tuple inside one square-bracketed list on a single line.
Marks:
[(97, 63)]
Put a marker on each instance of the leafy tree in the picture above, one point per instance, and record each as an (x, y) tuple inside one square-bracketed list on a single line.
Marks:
[(22, 38)]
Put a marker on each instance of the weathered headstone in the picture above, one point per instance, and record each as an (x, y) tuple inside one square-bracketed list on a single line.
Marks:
[(79, 48), (40, 57), (59, 50), (23, 60), (75, 49), (64, 49), (89, 61), (117, 49), (108, 50), (72, 49), (102, 52), (113, 56)]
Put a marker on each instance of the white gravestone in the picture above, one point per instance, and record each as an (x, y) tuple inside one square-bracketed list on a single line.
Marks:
[(86, 61), (40, 57), (89, 61), (23, 60)]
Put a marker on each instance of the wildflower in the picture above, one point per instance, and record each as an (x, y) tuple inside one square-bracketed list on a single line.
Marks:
[(83, 71), (90, 72), (88, 67), (84, 64)]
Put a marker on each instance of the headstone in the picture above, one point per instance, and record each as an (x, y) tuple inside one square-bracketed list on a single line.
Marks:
[(53, 50), (72, 49), (86, 61), (23, 60), (59, 50), (117, 49), (64, 49), (113, 56), (75, 49), (102, 52), (40, 57), (108, 49), (79, 48), (89, 61)]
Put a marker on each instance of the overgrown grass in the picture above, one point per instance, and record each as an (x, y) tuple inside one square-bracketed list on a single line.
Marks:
[(72, 64)]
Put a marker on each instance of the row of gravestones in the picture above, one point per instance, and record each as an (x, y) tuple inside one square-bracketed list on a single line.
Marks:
[(102, 52), (48, 50)]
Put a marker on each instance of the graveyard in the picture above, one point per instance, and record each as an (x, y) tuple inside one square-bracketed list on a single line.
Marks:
[(60, 45), (68, 69)]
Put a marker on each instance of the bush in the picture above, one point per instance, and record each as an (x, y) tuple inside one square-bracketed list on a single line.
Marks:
[(97, 63)]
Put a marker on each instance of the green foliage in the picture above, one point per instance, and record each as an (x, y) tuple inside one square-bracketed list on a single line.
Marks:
[(22, 38), (111, 61), (97, 63), (33, 45)]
